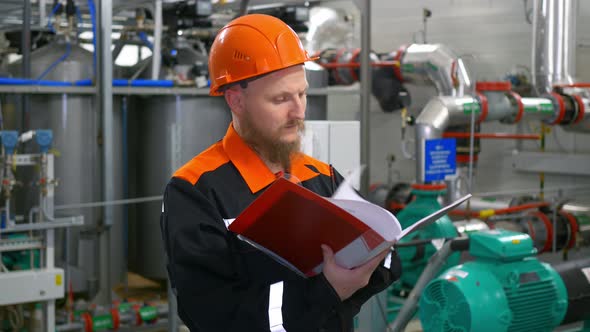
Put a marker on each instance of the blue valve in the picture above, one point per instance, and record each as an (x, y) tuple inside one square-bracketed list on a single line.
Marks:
[(44, 138), (9, 140)]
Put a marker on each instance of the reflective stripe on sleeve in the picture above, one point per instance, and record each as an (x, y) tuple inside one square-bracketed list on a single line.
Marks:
[(228, 222), (275, 304), (387, 263)]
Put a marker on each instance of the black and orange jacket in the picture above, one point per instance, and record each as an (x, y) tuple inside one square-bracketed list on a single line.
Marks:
[(225, 284)]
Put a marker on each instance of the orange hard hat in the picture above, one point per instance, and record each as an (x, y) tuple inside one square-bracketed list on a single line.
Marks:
[(252, 45)]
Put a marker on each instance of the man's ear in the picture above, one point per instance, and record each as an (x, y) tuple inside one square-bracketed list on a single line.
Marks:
[(235, 99)]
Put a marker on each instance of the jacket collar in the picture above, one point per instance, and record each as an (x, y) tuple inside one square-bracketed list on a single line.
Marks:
[(251, 167)]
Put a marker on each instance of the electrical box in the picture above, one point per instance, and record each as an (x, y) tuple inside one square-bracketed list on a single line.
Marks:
[(334, 142), (31, 286)]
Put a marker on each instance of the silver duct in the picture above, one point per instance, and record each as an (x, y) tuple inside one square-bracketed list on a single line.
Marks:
[(554, 43), (328, 28), (436, 64), (436, 116)]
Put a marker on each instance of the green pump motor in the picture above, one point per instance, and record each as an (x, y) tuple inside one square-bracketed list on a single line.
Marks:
[(504, 289)]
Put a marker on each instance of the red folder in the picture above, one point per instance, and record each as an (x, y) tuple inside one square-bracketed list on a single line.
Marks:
[(292, 222)]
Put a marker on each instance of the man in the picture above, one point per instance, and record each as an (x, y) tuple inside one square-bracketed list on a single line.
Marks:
[(221, 282)]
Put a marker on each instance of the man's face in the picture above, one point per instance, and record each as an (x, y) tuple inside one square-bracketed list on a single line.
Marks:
[(274, 111)]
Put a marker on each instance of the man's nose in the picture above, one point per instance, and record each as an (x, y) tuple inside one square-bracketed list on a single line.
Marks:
[(298, 108)]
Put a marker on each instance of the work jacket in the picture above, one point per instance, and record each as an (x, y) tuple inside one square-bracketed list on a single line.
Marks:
[(223, 283)]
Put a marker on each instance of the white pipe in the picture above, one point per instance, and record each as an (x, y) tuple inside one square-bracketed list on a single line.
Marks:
[(42, 14), (156, 52)]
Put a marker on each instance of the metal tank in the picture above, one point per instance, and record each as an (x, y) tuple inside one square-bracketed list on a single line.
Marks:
[(76, 125), (165, 132), (10, 103), (172, 130)]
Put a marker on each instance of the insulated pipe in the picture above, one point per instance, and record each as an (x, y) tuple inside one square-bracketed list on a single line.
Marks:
[(157, 51), (434, 64), (432, 121), (538, 108), (443, 111), (554, 42)]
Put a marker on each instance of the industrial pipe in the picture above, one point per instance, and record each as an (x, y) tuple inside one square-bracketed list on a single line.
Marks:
[(344, 65), (538, 108), (583, 85), (554, 43), (26, 61), (443, 111), (423, 64), (156, 53), (491, 135), (42, 13), (437, 115), (578, 289), (357, 65), (581, 123), (491, 212), (92, 10), (105, 91), (365, 87), (434, 64), (88, 82)]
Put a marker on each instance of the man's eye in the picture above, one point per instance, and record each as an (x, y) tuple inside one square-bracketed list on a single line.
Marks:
[(279, 100)]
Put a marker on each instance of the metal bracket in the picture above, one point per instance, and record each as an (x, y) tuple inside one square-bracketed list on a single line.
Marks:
[(577, 164), (57, 223)]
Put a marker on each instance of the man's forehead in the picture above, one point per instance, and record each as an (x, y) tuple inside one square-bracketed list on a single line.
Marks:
[(292, 76)]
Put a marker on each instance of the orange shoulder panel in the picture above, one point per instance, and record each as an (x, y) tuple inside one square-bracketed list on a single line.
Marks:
[(320, 165), (206, 161)]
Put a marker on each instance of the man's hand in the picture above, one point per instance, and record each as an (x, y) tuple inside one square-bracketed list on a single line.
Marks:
[(347, 281)]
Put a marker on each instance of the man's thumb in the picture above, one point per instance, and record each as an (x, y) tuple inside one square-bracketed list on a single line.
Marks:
[(327, 252)]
